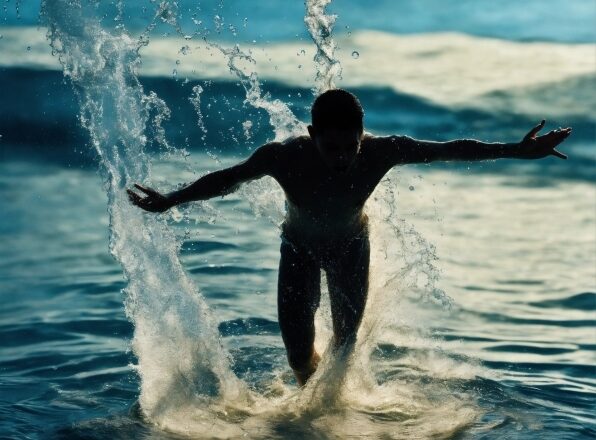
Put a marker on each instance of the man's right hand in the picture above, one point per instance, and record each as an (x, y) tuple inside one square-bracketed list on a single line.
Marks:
[(153, 202)]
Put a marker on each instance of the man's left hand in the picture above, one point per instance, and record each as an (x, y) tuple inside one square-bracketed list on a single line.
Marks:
[(536, 147)]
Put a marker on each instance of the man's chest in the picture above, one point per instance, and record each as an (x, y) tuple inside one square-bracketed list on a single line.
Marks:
[(320, 189)]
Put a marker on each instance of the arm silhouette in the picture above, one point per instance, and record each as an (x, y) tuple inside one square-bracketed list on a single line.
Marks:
[(404, 149), (217, 183)]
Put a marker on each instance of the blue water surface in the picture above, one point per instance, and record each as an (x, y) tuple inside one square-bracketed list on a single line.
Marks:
[(511, 356)]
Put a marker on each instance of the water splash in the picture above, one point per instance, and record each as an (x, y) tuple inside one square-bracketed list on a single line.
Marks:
[(186, 382), (265, 197), (320, 26), (283, 121), (195, 100), (402, 266), (176, 341)]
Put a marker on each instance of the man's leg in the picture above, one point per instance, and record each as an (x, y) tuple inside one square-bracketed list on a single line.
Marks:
[(347, 275), (298, 295)]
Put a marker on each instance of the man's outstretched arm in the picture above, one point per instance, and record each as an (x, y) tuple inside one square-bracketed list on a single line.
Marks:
[(218, 183), (405, 150)]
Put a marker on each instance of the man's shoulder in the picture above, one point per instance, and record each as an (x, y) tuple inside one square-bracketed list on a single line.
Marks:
[(278, 156), (386, 145), (290, 149), (376, 141), (297, 142), (385, 150), (372, 145), (291, 144)]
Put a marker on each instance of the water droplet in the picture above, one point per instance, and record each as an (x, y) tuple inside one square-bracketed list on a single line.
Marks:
[(188, 37), (300, 66), (302, 52), (355, 54), (28, 48), (174, 73), (177, 62), (411, 188)]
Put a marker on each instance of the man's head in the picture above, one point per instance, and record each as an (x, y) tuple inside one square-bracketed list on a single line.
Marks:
[(337, 128)]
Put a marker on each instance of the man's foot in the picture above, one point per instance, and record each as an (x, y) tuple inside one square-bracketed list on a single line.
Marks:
[(303, 375)]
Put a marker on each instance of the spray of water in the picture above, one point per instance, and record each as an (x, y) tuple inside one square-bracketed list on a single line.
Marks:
[(265, 197), (186, 382), (176, 339), (320, 26), (402, 265), (195, 100)]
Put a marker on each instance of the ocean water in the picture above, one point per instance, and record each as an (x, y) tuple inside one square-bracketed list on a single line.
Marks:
[(120, 324)]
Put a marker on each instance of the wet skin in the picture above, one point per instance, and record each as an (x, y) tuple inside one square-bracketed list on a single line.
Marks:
[(327, 177)]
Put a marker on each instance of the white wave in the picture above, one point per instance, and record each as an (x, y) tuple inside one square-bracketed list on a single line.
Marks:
[(26, 47), (447, 69)]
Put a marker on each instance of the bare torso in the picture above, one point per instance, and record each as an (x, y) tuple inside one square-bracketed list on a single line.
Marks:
[(323, 205)]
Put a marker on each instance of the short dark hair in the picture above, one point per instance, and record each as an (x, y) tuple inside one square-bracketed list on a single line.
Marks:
[(337, 108)]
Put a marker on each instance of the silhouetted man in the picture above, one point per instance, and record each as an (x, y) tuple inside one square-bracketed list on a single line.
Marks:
[(327, 176)]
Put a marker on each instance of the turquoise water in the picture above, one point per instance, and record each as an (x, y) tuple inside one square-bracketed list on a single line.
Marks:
[(120, 324)]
